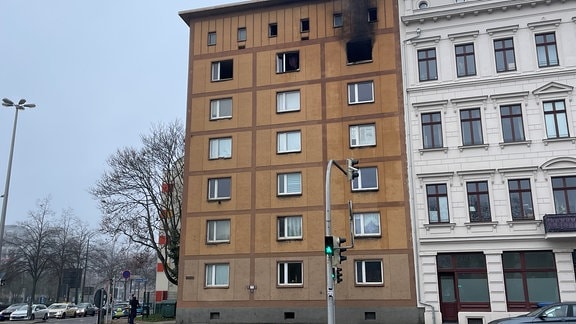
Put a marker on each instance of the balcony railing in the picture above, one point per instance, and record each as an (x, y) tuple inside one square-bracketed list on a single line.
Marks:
[(558, 223)]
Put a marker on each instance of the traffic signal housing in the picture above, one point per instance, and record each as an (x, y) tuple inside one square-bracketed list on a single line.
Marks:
[(351, 170), (329, 245), (338, 275), (339, 250)]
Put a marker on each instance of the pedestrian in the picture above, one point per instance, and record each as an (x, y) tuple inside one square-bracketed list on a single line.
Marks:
[(133, 307)]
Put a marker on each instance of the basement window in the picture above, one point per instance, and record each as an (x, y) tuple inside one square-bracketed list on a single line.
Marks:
[(372, 15), (359, 51), (273, 30)]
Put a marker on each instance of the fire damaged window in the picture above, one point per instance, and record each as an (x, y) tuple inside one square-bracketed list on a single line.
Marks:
[(287, 62), (222, 70), (273, 30), (359, 50), (372, 15), (304, 25)]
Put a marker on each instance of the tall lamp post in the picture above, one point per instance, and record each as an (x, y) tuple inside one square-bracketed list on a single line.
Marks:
[(21, 105)]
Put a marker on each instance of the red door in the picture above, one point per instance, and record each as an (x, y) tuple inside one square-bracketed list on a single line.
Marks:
[(448, 299)]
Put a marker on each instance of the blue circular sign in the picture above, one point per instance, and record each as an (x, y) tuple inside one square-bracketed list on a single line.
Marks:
[(126, 274)]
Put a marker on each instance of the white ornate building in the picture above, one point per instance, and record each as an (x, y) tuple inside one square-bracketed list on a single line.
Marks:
[(491, 123)]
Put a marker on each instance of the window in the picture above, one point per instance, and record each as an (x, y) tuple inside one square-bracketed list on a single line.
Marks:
[(361, 92), (289, 227), (512, 125), (304, 25), (529, 277), (222, 70), (211, 38), (273, 30), (437, 195), (288, 101), (288, 142), (367, 179), (217, 275), (520, 199), (366, 224), (369, 272), (287, 62), (504, 52), (359, 50), (471, 124), (555, 117), (221, 108), (219, 188), (462, 278), (427, 69), (289, 273), (465, 64), (337, 20), (218, 231), (546, 50), (289, 183), (564, 189), (221, 148), (432, 130), (478, 202), (372, 14), (362, 135), (242, 35)]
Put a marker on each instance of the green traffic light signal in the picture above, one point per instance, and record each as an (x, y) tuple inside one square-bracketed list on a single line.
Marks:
[(329, 245)]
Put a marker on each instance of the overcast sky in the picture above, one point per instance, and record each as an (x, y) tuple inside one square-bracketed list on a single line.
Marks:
[(101, 73)]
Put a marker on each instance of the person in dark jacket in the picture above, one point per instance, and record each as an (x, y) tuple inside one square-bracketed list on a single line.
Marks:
[(133, 307)]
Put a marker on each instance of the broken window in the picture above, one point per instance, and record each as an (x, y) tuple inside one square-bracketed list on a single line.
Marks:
[(222, 70), (359, 50), (287, 62)]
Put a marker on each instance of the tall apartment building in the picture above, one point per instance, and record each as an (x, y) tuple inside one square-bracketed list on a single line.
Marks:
[(276, 90), (491, 123)]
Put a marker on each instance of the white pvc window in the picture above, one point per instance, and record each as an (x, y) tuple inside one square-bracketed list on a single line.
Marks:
[(288, 101), (361, 92), (362, 135), (221, 148), (217, 275), (289, 142), (289, 183)]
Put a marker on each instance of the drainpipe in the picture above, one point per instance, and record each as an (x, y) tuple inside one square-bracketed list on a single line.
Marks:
[(411, 180)]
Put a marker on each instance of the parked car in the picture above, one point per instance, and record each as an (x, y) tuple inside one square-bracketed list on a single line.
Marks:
[(5, 314), (558, 312), (120, 310), (86, 309), (39, 311), (62, 310)]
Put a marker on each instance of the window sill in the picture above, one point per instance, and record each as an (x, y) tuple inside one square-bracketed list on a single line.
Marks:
[(298, 285), (222, 80), (504, 144), (284, 72), (362, 146), (439, 225), (220, 158), (289, 195), (288, 152), (479, 224), (360, 103), (216, 287), (466, 147), (435, 149), (560, 139), (365, 190), (525, 222), (220, 118), (289, 239), (361, 284), (217, 242), (218, 200), (368, 236)]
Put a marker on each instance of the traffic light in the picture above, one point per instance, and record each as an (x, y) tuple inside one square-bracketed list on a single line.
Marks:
[(351, 170), (338, 275), (339, 250), (329, 245)]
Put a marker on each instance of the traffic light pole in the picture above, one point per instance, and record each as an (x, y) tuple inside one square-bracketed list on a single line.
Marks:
[(331, 305)]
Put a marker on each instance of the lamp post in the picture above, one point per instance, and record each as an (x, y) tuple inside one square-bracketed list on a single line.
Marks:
[(21, 105)]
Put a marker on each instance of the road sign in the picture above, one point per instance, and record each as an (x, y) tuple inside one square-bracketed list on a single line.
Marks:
[(100, 297), (126, 274)]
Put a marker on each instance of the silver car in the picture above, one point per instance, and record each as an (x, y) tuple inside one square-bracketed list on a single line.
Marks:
[(564, 313)]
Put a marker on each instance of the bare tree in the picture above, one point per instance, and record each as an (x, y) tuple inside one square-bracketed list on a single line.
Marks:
[(141, 194), (35, 245)]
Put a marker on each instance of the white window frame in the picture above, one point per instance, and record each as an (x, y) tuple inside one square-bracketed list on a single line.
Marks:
[(289, 142), (212, 271), (216, 110), (242, 34), (358, 183), (361, 280), (360, 223), (283, 186), (284, 276), (353, 89), (282, 101), (282, 58), (212, 231), (216, 182), (220, 148), (289, 224), (360, 135), (216, 71)]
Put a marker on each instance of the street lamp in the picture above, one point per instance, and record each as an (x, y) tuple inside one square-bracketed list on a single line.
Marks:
[(21, 105)]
